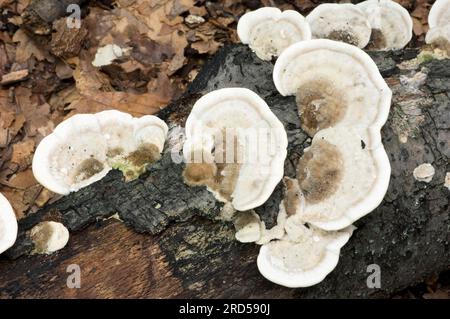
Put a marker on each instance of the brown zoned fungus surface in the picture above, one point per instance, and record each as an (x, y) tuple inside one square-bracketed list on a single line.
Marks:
[(319, 171), (320, 105)]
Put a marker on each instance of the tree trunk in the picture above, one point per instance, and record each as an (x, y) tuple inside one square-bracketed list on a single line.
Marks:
[(173, 245)]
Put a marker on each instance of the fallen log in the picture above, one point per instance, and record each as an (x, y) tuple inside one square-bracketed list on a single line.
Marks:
[(183, 251)]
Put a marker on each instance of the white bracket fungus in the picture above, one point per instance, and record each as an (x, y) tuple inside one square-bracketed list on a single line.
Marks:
[(49, 237), (336, 84), (439, 14), (343, 102), (268, 31), (391, 24), (8, 225), (85, 147), (235, 146), (439, 22), (447, 180), (424, 172), (305, 261), (341, 180), (340, 22)]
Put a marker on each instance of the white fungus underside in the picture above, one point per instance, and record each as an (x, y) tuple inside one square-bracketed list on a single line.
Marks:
[(359, 175), (236, 108), (392, 20), (326, 18)]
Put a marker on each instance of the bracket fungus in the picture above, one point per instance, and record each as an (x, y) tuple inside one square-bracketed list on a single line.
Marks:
[(49, 237), (340, 22), (343, 102), (305, 261), (341, 180), (439, 22), (335, 84), (439, 14), (268, 31), (392, 25), (8, 225), (84, 148), (235, 146)]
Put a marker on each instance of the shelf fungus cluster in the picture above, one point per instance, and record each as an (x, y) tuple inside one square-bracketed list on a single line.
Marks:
[(342, 103), (372, 24), (235, 146), (268, 31), (375, 24), (84, 148), (439, 22), (8, 224)]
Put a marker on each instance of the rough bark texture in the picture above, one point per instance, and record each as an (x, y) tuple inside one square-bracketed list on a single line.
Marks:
[(190, 254)]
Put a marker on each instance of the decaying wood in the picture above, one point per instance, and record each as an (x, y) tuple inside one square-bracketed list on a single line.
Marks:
[(185, 252)]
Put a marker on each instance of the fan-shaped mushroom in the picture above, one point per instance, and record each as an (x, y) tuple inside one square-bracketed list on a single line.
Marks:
[(341, 179), (83, 149), (305, 261), (336, 84), (8, 224), (341, 22), (268, 31), (49, 237), (439, 14), (439, 21), (235, 146), (391, 24)]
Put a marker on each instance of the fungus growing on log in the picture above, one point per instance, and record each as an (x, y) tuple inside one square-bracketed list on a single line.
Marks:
[(340, 179), (391, 24), (235, 146), (340, 22), (8, 224), (342, 102), (305, 261), (335, 84), (84, 148), (268, 31), (439, 22), (49, 237)]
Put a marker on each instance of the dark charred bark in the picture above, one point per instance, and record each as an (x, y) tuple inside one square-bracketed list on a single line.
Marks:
[(407, 235)]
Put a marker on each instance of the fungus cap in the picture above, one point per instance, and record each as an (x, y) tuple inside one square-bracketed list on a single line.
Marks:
[(49, 237), (341, 180), (305, 262), (251, 165), (336, 84), (268, 31), (439, 14), (341, 22), (391, 24), (8, 225), (439, 37), (83, 149)]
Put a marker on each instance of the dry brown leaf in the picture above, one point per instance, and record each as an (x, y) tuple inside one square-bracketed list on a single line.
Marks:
[(27, 48), (22, 153)]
